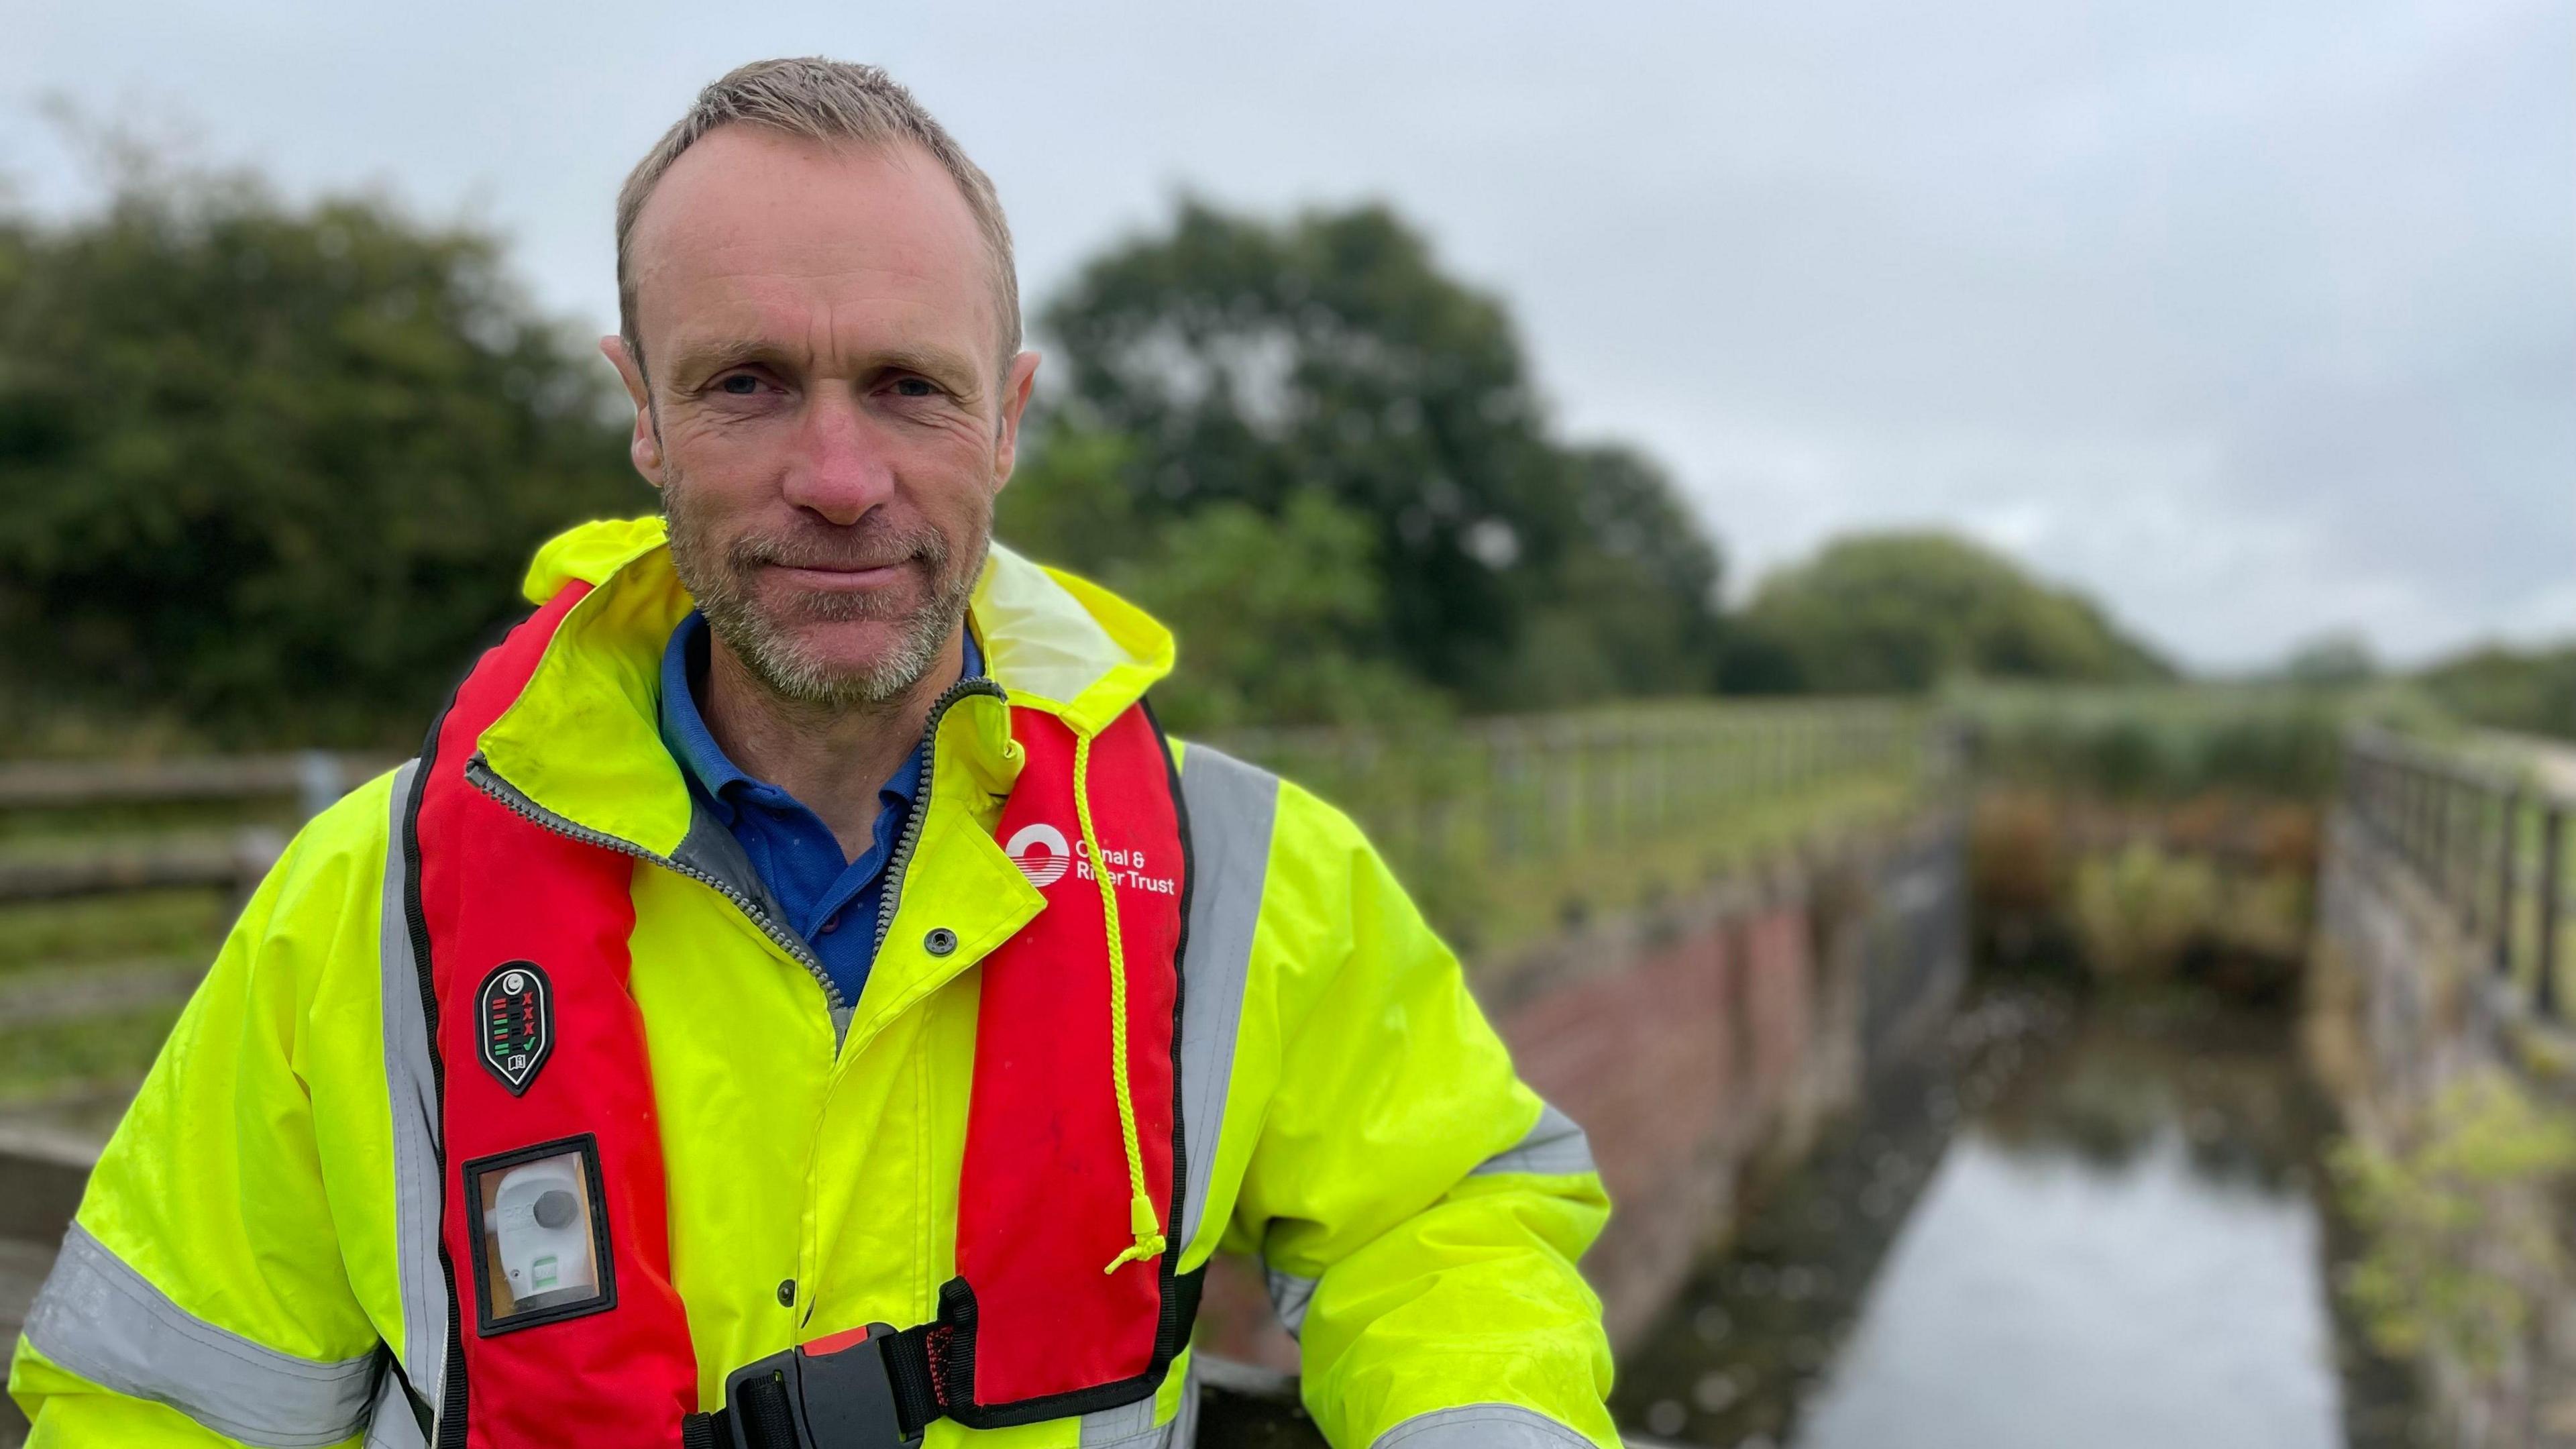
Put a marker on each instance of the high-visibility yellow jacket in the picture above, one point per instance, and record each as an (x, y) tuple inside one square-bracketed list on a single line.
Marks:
[(256, 1249)]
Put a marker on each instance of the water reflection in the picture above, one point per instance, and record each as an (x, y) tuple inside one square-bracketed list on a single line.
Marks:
[(2039, 1298), (2091, 1230)]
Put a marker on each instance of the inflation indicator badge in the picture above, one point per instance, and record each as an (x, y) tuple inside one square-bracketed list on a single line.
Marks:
[(518, 1023)]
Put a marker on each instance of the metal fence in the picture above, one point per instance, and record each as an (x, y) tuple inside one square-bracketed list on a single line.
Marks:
[(1530, 790), (2486, 839)]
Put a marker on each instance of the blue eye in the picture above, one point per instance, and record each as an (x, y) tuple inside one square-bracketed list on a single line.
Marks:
[(914, 387), (742, 384)]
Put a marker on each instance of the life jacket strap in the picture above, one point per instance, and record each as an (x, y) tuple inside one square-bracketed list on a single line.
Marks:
[(873, 1388)]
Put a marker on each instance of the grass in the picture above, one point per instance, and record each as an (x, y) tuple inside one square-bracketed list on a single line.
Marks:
[(1487, 900), (55, 1059), (169, 923), (43, 944)]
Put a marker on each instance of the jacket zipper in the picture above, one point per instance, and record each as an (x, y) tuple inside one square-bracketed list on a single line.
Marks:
[(901, 860), (480, 773)]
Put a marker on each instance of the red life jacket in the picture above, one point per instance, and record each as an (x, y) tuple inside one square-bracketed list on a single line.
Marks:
[(564, 1324)]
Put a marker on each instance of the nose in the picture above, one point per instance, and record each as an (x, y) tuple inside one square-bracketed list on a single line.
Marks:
[(840, 467)]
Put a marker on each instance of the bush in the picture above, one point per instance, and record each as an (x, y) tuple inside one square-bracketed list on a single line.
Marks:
[(1906, 612), (2463, 1225), (269, 472), (2167, 743)]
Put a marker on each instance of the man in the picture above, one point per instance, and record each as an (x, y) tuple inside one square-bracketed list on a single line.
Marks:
[(797, 996)]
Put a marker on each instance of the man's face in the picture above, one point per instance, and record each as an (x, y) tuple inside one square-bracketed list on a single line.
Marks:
[(824, 401)]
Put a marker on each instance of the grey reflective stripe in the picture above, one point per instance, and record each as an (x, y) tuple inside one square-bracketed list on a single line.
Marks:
[(1289, 1295), (1553, 1147), (1232, 809), (390, 1421), (413, 1091), (100, 1319), (1132, 1426), (1119, 1427), (1481, 1426)]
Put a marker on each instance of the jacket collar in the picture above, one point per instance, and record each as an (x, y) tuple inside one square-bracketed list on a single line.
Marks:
[(583, 738)]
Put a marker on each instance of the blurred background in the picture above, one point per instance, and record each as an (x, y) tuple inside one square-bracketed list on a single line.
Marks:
[(1965, 614)]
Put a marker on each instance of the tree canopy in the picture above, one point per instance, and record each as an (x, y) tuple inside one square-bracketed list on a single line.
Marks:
[(273, 470), (1328, 362), (270, 471), (1904, 612)]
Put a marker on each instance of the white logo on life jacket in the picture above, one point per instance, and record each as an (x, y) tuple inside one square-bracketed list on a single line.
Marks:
[(1044, 856), (1041, 853)]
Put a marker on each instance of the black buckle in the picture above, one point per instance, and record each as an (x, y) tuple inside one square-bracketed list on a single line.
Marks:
[(840, 1397)]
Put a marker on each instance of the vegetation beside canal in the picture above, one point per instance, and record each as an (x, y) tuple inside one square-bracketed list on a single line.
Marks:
[(2460, 1226)]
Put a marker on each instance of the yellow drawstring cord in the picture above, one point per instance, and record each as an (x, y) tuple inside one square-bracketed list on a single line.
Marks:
[(1141, 1218)]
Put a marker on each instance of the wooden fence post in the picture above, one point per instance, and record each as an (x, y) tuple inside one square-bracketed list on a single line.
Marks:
[(2509, 806), (2544, 991), (2438, 787)]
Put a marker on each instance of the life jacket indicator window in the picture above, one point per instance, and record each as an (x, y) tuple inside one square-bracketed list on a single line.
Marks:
[(540, 1233), (516, 1023)]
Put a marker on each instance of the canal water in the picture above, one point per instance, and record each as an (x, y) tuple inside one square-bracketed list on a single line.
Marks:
[(2098, 1225)]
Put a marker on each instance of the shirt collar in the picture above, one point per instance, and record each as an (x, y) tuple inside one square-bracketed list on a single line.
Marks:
[(685, 733)]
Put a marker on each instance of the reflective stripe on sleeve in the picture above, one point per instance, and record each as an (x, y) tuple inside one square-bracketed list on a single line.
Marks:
[(393, 1422), (1553, 1147), (413, 1091), (1481, 1426), (1233, 807), (98, 1318), (1289, 1295)]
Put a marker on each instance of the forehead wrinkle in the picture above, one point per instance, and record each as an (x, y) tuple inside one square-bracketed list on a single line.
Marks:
[(797, 207), (776, 247), (788, 315)]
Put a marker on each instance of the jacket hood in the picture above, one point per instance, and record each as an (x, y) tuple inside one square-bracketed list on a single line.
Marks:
[(584, 736)]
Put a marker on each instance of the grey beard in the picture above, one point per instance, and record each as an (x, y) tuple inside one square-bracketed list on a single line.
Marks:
[(770, 652), (797, 677)]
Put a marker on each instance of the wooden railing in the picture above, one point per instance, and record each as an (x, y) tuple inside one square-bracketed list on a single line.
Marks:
[(234, 859)]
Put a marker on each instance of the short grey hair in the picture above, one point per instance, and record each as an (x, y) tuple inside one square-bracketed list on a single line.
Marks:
[(829, 101)]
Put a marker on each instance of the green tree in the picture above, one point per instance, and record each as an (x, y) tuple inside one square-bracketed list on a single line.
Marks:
[(1633, 611), (1903, 612), (271, 471), (1253, 364), (1275, 615)]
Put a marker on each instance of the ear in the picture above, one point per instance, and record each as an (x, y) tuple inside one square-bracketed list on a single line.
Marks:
[(646, 446), (1018, 383)]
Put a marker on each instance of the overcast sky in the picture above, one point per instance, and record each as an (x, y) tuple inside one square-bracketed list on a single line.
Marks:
[(2257, 320)]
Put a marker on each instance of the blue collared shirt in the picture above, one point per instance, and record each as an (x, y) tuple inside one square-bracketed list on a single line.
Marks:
[(828, 898)]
